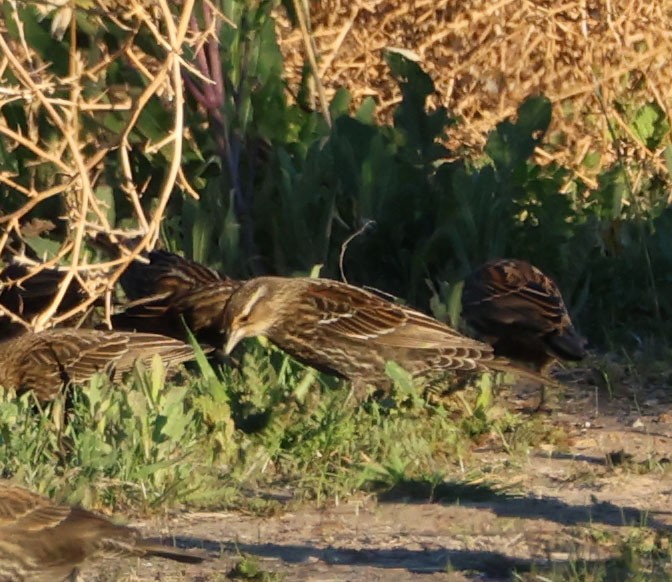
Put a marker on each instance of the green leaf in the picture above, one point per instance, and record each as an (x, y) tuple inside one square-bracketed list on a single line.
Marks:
[(302, 387), (667, 156), (157, 372), (485, 395), (511, 144), (138, 404), (340, 104), (534, 114), (9, 163), (38, 38), (402, 378), (105, 195), (409, 74), (651, 124), (366, 112), (42, 246), (591, 160), (155, 123), (612, 190)]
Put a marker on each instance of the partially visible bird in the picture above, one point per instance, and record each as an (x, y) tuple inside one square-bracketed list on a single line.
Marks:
[(180, 289), (43, 541), (163, 287), (166, 273), (16, 245), (350, 332), (47, 361), (513, 306), (27, 292)]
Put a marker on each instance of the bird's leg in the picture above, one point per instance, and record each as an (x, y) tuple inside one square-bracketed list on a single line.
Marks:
[(544, 370), (360, 391), (62, 406), (354, 397), (542, 400)]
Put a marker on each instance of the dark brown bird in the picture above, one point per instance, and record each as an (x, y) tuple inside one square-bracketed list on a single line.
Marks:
[(164, 287), (27, 294), (158, 272), (42, 541), (47, 361), (513, 306), (169, 274), (350, 332), (176, 288)]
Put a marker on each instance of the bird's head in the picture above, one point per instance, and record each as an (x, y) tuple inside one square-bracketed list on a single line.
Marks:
[(250, 311)]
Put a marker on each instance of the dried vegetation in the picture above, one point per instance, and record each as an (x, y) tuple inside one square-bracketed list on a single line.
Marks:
[(79, 134), (593, 58)]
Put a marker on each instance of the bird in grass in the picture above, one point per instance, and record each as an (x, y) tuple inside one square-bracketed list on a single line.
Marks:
[(352, 333), (181, 289), (155, 272), (513, 306), (47, 361), (164, 287), (43, 541)]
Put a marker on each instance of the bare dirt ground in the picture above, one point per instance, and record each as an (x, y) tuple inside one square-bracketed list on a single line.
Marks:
[(552, 509)]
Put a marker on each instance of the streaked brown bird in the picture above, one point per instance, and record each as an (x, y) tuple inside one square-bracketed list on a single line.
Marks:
[(352, 333), (163, 287), (27, 292), (47, 361), (42, 541), (176, 288), (513, 306)]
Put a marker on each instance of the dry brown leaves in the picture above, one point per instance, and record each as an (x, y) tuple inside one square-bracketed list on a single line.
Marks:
[(486, 56)]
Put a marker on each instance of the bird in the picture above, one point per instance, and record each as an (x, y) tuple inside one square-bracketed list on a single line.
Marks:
[(27, 292), (351, 332), (178, 288), (164, 287), (519, 310), (41, 540), (46, 362)]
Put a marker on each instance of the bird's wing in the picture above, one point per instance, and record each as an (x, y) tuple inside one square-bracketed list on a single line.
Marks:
[(509, 292), (81, 353), (202, 307), (143, 346), (44, 362), (27, 511), (165, 273), (75, 355), (360, 315), (27, 293), (173, 273)]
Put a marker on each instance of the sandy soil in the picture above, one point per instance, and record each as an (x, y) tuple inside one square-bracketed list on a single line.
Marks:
[(553, 508)]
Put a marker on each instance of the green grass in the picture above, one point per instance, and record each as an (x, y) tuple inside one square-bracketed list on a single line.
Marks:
[(233, 436), (248, 568), (210, 437)]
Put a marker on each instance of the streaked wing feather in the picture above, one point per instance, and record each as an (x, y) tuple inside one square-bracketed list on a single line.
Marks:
[(144, 346), (19, 507), (359, 314)]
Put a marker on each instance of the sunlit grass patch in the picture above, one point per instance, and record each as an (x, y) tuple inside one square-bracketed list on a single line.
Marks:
[(223, 436)]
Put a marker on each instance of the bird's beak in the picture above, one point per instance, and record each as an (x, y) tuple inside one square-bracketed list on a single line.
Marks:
[(233, 340)]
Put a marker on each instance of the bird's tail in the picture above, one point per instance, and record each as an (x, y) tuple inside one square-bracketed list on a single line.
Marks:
[(503, 365)]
